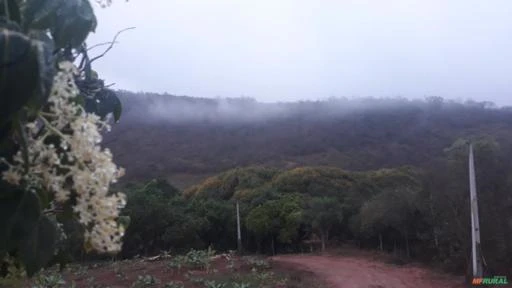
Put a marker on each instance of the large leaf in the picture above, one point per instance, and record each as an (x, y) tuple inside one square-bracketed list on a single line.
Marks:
[(38, 249), (70, 21), (19, 63), (9, 24), (74, 20), (104, 103), (8, 208), (19, 214), (47, 70), (40, 14), (12, 12), (7, 147), (27, 214)]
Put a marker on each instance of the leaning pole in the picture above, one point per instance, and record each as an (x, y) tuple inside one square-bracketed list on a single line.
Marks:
[(476, 256)]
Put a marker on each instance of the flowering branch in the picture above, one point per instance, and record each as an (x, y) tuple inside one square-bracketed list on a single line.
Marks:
[(77, 158)]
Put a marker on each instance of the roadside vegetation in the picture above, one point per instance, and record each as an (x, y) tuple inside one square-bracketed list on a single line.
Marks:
[(197, 268)]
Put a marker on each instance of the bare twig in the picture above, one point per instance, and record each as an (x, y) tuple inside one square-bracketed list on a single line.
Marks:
[(101, 44), (111, 44), (24, 144), (85, 57), (110, 85), (53, 211)]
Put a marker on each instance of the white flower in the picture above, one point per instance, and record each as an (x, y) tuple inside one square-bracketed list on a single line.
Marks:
[(75, 165), (12, 176)]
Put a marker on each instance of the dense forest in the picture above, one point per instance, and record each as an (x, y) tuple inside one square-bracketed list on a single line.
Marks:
[(388, 174), (182, 137)]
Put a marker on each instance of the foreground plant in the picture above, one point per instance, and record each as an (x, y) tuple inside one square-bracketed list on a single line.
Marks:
[(77, 167), (51, 280), (145, 281), (52, 114)]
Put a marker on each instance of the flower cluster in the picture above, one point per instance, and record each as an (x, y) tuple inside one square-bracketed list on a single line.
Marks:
[(65, 158)]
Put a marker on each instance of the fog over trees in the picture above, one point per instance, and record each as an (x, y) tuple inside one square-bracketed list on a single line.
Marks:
[(386, 174)]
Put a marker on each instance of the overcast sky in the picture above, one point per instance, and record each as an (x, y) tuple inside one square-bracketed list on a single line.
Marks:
[(285, 50)]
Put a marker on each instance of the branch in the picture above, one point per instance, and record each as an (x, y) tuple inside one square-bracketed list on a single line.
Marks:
[(53, 211), (111, 44), (85, 57), (101, 44), (24, 144)]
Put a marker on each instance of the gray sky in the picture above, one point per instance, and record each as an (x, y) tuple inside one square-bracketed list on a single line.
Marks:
[(285, 50)]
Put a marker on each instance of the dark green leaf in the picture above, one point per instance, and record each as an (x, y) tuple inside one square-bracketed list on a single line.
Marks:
[(19, 63), (107, 102), (8, 207), (27, 215), (47, 69), (40, 14), (74, 20), (19, 213), (117, 109), (46, 63), (7, 146), (90, 105), (12, 12), (9, 24), (38, 249)]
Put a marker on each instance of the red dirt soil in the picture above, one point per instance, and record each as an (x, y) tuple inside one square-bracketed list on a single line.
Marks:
[(363, 272)]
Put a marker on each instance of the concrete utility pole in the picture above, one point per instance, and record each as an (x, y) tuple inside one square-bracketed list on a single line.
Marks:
[(239, 233), (475, 222)]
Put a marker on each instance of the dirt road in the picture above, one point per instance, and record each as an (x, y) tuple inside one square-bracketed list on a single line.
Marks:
[(363, 272)]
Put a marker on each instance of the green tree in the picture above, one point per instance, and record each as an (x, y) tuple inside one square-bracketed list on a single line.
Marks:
[(276, 219), (323, 214), (217, 222), (393, 208), (160, 220)]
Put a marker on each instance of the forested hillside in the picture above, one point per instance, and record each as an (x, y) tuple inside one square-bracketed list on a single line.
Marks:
[(179, 137), (382, 174)]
